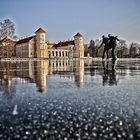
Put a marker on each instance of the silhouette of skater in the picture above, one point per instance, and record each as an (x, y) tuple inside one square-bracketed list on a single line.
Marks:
[(109, 76), (112, 45), (109, 42), (105, 42)]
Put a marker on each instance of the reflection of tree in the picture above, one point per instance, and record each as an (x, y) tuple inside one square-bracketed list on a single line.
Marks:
[(109, 76)]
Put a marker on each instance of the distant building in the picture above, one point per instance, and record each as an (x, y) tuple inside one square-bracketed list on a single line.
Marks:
[(7, 48), (37, 47), (62, 50), (78, 49), (25, 47), (33, 46), (41, 48), (68, 49)]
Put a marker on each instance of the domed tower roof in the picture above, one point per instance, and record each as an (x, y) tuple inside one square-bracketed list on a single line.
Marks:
[(78, 35), (40, 30)]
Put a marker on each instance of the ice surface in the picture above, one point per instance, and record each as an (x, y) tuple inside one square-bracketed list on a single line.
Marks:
[(91, 111)]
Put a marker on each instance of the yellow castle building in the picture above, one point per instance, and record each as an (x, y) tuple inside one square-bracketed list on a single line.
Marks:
[(37, 47), (41, 47)]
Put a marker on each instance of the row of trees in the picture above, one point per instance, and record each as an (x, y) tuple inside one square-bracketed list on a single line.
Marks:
[(122, 50), (92, 50)]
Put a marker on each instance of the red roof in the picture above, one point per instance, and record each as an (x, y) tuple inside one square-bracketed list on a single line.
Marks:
[(40, 30), (25, 40), (66, 43), (7, 39), (78, 34)]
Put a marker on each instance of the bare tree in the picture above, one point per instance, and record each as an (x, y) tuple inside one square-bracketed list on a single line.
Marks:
[(91, 48), (7, 28)]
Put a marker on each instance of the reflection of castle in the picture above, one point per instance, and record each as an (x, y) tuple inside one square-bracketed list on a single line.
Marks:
[(75, 69), (7, 86), (36, 72), (41, 71), (37, 47), (78, 69), (23, 72)]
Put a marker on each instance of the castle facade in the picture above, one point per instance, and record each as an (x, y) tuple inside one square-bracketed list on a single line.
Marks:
[(37, 47)]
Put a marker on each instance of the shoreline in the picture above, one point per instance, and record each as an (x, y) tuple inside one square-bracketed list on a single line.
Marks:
[(73, 59)]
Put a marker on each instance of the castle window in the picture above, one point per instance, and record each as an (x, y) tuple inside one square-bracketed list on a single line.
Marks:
[(42, 39)]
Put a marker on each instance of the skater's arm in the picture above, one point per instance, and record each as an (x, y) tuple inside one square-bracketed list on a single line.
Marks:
[(100, 45), (117, 38)]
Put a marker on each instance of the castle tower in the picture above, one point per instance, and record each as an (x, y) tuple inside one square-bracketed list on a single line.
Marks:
[(78, 50), (41, 46)]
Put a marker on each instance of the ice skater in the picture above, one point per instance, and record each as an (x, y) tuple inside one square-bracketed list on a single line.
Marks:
[(105, 42), (109, 42), (112, 45)]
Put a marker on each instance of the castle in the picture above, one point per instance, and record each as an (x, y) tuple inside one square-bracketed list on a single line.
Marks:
[(37, 47)]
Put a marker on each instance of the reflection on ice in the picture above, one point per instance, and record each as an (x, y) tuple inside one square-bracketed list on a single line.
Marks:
[(83, 100), (109, 76), (15, 110)]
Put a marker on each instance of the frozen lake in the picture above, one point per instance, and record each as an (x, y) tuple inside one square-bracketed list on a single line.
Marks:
[(61, 99)]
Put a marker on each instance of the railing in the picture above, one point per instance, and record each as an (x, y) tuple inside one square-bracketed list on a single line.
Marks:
[(21, 59)]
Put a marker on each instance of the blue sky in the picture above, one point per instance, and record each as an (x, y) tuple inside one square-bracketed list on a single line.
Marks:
[(63, 18)]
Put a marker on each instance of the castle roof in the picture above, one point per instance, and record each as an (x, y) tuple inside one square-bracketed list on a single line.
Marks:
[(64, 43), (24, 40), (7, 39), (78, 34), (40, 30)]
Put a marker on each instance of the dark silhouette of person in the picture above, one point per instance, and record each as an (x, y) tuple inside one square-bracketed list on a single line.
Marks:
[(105, 42), (112, 45), (109, 76)]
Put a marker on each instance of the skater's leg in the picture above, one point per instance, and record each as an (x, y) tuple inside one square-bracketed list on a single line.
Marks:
[(104, 53), (107, 54), (113, 53)]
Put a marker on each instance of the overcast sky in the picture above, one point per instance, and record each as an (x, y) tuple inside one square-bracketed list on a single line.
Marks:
[(63, 18)]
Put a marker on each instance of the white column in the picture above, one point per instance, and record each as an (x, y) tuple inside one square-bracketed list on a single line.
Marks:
[(51, 54), (59, 53)]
